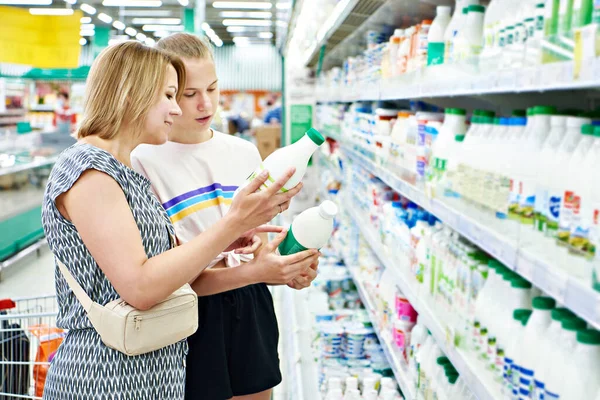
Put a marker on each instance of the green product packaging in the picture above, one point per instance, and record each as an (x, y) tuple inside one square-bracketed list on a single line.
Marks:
[(582, 13), (435, 53), (290, 245), (565, 17)]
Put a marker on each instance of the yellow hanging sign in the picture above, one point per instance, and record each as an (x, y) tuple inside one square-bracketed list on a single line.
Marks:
[(41, 41)]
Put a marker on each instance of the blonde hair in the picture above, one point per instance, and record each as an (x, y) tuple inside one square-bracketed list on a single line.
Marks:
[(186, 45), (123, 85)]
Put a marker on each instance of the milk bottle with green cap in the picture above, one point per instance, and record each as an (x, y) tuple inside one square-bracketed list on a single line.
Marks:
[(559, 172), (512, 356), (520, 136), (295, 155), (583, 369), (457, 23), (554, 373), (311, 229), (530, 349), (570, 206), (443, 147), (594, 215), (435, 37)]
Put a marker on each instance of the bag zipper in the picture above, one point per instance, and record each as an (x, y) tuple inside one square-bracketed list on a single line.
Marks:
[(138, 318)]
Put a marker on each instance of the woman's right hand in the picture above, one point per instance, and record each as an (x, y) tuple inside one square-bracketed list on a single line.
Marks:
[(274, 269), (251, 208)]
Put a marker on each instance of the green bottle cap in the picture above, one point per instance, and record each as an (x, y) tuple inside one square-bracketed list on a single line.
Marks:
[(465, 10), (452, 378), (459, 138), (561, 313), (485, 113), (530, 111), (442, 360), (315, 136), (519, 113), (589, 336), (456, 111), (521, 313), (587, 129), (496, 121), (543, 303), (476, 8), (573, 324), (596, 131), (544, 110), (520, 283)]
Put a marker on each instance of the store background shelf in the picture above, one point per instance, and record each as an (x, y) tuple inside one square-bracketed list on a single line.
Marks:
[(399, 369), (481, 384), (566, 289), (27, 166)]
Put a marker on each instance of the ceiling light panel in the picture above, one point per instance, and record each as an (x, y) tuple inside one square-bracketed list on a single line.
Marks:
[(83, 41), (86, 8), (87, 26), (130, 31), (119, 25), (184, 3), (246, 14), (145, 13), (140, 36), (86, 32), (85, 20), (246, 22), (26, 2), (171, 28), (246, 5), (132, 3), (159, 21), (51, 11), (105, 18), (265, 35)]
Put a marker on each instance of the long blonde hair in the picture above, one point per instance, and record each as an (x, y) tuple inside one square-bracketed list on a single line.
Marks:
[(186, 45), (123, 85)]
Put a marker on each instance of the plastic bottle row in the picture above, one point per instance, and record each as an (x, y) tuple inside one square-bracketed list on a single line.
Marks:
[(477, 298), (505, 34)]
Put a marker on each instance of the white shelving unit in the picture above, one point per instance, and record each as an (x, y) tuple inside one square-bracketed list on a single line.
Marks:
[(532, 265), (27, 166), (467, 81), (480, 383)]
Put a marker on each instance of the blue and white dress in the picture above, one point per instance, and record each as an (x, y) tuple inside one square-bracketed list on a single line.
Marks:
[(84, 368)]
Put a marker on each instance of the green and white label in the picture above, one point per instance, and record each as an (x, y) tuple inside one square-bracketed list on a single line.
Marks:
[(290, 245), (435, 53)]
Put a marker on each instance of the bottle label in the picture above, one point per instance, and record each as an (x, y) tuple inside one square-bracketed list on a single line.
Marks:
[(290, 245), (552, 213), (526, 204), (539, 23), (538, 391), (548, 395), (491, 352), (502, 39), (526, 384), (571, 204), (435, 53), (508, 374), (267, 183), (510, 37), (539, 214), (514, 198)]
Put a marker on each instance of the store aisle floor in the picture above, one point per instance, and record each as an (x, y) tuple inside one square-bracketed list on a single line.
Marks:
[(32, 276)]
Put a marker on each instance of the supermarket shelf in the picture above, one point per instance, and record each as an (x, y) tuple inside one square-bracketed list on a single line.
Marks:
[(467, 81), (35, 247), (399, 371), (27, 166), (566, 289), (481, 385)]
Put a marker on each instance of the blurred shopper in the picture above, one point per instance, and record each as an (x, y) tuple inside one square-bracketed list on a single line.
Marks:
[(65, 119), (104, 223)]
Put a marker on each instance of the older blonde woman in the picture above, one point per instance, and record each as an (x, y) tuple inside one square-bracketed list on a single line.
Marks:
[(105, 224)]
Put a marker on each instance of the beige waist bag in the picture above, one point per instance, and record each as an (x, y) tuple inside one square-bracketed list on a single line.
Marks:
[(131, 331)]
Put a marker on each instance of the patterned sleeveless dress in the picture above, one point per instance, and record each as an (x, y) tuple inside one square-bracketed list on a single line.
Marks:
[(84, 368)]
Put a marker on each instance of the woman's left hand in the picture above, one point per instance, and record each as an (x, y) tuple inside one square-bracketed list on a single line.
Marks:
[(303, 281), (250, 242)]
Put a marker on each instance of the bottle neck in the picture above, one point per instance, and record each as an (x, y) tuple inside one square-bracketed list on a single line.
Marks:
[(305, 144)]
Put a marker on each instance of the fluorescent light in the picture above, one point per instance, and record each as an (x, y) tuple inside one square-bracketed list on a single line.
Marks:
[(132, 3), (234, 29), (51, 11), (87, 27), (242, 14), (160, 21), (184, 3), (218, 42), (86, 32), (140, 36), (205, 26), (105, 18), (131, 31), (265, 35), (119, 25), (85, 20), (150, 42), (71, 2), (145, 13), (86, 8), (172, 28), (246, 22), (83, 41), (241, 39), (246, 5), (26, 2), (284, 6), (281, 24)]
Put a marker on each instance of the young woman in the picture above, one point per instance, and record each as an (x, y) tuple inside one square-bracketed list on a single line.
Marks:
[(194, 174), (104, 223)]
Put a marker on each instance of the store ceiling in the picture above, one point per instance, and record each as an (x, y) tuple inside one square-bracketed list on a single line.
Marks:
[(254, 21)]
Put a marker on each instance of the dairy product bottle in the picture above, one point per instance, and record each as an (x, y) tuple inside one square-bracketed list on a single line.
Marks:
[(558, 125), (530, 348), (311, 229), (530, 160), (454, 124), (485, 314), (559, 172), (456, 24), (435, 38), (486, 295), (426, 131), (583, 367), (295, 155), (515, 161), (582, 13), (483, 184), (512, 354), (451, 185), (473, 32), (548, 345), (492, 18), (535, 34), (570, 206), (554, 373), (496, 155), (393, 50), (593, 214)]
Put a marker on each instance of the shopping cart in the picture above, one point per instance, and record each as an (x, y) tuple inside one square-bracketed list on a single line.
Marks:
[(28, 341)]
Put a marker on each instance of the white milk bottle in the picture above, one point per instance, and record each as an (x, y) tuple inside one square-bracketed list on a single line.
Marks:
[(559, 173), (594, 215), (311, 229), (454, 124), (478, 164), (295, 155), (515, 161), (473, 33), (558, 127), (393, 51), (507, 192), (530, 348), (456, 24), (497, 156), (583, 369), (554, 373), (435, 37), (512, 356), (486, 295), (548, 345), (570, 206)]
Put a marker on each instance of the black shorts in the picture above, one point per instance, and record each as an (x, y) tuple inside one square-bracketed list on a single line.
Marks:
[(234, 351)]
